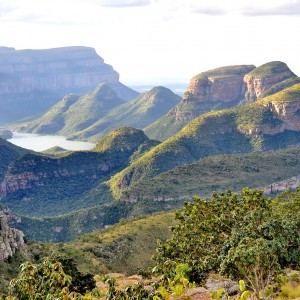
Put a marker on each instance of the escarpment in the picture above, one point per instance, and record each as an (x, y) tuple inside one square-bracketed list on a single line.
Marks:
[(222, 84), (261, 79), (31, 81), (222, 88), (25, 71)]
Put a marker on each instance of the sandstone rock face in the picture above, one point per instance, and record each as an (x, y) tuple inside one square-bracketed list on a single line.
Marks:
[(31, 81), (223, 84), (287, 112), (24, 71), (10, 239), (257, 85)]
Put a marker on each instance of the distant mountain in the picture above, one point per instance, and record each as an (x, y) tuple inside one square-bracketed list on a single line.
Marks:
[(34, 80), (139, 112), (74, 113), (223, 88), (36, 184), (268, 124)]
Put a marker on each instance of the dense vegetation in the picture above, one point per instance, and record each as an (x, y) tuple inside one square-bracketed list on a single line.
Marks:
[(8, 153), (58, 184), (216, 173), (235, 130), (244, 236), (166, 191)]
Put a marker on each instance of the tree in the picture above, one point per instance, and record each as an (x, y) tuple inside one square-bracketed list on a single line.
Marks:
[(46, 280), (205, 226), (255, 261), (81, 283)]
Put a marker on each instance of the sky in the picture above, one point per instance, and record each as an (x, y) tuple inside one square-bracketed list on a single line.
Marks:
[(159, 41)]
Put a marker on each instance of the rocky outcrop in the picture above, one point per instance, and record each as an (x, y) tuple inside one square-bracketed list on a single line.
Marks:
[(14, 183), (10, 239), (289, 113), (281, 186), (261, 79), (233, 83), (285, 109), (223, 84)]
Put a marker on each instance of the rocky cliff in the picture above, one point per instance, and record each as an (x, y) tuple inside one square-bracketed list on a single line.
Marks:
[(25, 71), (223, 88), (261, 79), (222, 84), (31, 81), (10, 239), (282, 113)]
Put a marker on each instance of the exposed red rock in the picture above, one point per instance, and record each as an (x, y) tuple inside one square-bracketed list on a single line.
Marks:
[(259, 81), (222, 84)]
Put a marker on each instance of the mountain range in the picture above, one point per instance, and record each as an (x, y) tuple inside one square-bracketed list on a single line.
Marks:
[(235, 126), (223, 88), (100, 111)]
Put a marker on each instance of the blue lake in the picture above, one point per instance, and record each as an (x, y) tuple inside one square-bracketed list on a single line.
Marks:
[(38, 142)]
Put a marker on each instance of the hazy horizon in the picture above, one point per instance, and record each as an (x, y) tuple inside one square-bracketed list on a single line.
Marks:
[(157, 42)]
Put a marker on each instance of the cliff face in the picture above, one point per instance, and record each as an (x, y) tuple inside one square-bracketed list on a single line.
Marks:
[(25, 71), (223, 88), (285, 110), (10, 239), (223, 84), (261, 79), (235, 83), (31, 81)]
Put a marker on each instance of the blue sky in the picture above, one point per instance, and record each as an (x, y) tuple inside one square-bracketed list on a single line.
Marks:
[(159, 41)]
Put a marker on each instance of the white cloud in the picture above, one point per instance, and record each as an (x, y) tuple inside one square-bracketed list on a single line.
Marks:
[(123, 3), (159, 39), (290, 8), (246, 7)]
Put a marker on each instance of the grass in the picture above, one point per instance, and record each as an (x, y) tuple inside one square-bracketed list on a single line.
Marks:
[(139, 112), (281, 86), (289, 291), (237, 70), (213, 133), (290, 94), (61, 184), (268, 69), (125, 247), (219, 173), (74, 113)]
